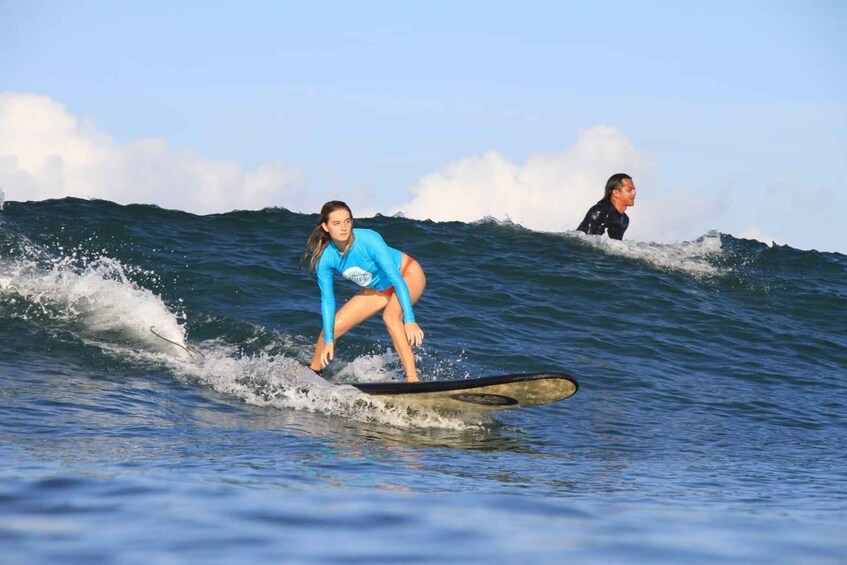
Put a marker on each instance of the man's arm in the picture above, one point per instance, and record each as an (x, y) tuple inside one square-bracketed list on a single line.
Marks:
[(594, 222)]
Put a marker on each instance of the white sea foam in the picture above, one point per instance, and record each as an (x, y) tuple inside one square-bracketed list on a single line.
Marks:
[(690, 257), (94, 293), (284, 382), (106, 309)]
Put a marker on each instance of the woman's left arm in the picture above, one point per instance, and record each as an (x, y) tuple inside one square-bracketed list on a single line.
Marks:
[(382, 255)]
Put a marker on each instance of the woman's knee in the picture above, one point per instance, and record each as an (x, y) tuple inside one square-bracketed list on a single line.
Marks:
[(392, 320)]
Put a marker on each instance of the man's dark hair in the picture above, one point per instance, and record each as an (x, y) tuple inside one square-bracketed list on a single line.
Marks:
[(614, 183)]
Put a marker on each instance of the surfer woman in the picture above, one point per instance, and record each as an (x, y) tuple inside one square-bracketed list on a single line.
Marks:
[(391, 281)]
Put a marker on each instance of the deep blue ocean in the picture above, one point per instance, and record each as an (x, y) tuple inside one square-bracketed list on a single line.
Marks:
[(710, 425)]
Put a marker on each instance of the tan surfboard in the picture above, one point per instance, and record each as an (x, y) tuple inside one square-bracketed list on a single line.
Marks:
[(501, 392)]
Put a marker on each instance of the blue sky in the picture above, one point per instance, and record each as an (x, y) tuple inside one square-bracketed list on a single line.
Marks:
[(730, 116)]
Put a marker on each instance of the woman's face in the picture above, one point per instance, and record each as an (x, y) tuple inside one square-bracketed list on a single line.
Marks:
[(339, 226)]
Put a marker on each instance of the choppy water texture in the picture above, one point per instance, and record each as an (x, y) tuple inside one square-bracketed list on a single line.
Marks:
[(709, 426)]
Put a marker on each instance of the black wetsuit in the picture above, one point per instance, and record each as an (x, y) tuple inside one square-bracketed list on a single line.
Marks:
[(603, 217)]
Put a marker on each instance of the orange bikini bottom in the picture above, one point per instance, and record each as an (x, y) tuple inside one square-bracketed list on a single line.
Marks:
[(390, 290)]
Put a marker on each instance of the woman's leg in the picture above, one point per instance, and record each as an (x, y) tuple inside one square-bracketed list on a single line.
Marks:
[(393, 318), (355, 311)]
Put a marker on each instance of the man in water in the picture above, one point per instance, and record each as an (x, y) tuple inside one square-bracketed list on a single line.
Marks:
[(608, 215)]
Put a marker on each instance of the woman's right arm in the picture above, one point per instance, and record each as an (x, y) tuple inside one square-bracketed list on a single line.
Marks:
[(325, 283)]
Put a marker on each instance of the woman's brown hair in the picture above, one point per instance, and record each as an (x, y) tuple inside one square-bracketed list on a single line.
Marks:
[(319, 239)]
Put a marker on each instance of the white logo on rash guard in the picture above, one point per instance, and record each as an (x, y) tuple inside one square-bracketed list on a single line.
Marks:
[(358, 275)]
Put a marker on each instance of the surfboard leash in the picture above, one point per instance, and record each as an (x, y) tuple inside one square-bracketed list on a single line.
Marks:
[(191, 350)]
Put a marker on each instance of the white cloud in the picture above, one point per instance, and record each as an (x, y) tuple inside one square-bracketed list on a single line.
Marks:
[(548, 192), (46, 152), (755, 232)]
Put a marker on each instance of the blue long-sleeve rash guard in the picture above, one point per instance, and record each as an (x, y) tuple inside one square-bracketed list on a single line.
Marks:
[(370, 263)]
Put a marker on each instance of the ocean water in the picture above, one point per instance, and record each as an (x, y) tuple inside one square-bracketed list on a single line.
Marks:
[(710, 425)]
